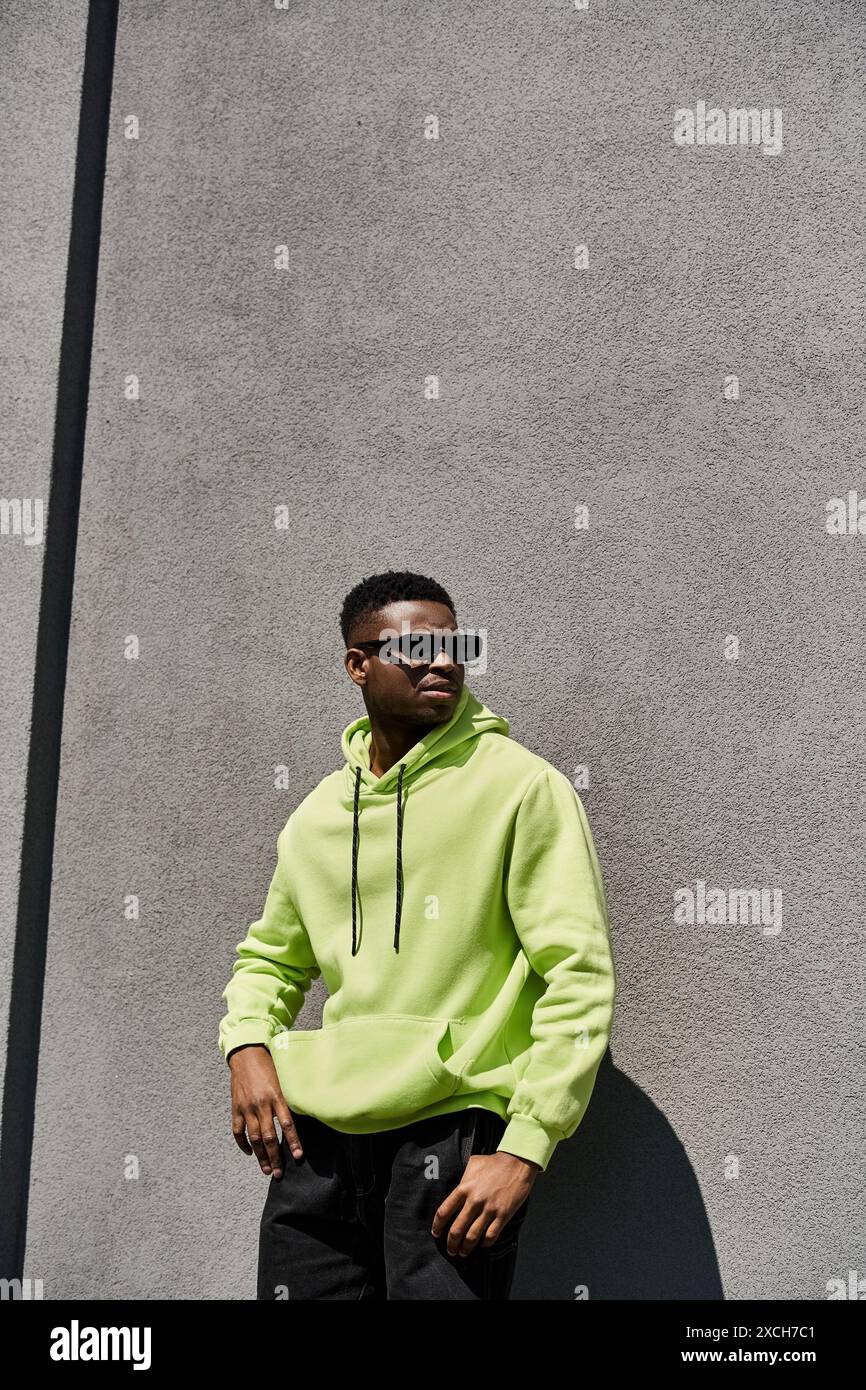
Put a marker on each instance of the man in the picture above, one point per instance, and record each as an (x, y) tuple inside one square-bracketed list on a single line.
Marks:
[(444, 885)]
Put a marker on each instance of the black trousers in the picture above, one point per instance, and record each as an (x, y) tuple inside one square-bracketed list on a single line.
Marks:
[(352, 1218)]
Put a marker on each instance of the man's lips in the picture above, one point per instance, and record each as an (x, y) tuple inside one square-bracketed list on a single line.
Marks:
[(438, 689)]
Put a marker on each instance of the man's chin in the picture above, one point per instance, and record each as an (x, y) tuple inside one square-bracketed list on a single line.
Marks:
[(435, 709)]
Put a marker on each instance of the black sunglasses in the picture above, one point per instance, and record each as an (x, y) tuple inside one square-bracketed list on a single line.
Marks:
[(422, 648)]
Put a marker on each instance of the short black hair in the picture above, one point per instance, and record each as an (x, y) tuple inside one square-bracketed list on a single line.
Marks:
[(379, 590)]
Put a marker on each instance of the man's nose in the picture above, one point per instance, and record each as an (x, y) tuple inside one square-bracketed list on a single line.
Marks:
[(442, 661)]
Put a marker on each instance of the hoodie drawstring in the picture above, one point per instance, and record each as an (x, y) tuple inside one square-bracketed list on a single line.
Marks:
[(355, 853), (355, 837), (399, 909)]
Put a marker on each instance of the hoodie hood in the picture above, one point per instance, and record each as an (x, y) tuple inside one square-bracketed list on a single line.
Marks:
[(469, 721)]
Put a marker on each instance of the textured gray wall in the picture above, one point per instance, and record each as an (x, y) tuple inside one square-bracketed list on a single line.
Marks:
[(722, 1155), (41, 56)]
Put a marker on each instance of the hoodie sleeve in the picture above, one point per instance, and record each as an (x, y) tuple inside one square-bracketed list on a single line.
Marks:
[(274, 968), (557, 901)]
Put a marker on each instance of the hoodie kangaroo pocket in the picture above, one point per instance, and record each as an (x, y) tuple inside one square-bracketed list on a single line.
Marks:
[(360, 1072), (441, 1073)]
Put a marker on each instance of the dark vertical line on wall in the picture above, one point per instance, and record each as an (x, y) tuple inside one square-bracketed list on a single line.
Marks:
[(52, 643)]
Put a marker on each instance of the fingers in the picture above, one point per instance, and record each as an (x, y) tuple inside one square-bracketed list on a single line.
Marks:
[(468, 1228), (465, 1218), (239, 1130), (263, 1137), (447, 1210), (287, 1125), (254, 1132), (475, 1213)]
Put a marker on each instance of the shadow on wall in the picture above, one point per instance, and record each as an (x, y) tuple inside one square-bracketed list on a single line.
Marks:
[(619, 1209)]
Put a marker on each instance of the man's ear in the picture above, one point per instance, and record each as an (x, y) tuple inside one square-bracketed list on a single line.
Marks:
[(356, 664)]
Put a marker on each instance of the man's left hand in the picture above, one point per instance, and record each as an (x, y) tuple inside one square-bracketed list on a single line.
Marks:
[(491, 1190)]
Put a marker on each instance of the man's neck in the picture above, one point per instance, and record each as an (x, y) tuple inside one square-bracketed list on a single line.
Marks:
[(389, 743)]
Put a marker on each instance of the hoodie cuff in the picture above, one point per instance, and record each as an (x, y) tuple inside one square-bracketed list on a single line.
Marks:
[(527, 1138), (253, 1030)]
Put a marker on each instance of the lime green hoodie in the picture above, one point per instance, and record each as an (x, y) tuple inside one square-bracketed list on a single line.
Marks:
[(461, 929)]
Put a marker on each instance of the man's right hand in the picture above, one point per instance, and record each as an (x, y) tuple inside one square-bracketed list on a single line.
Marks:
[(256, 1099)]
